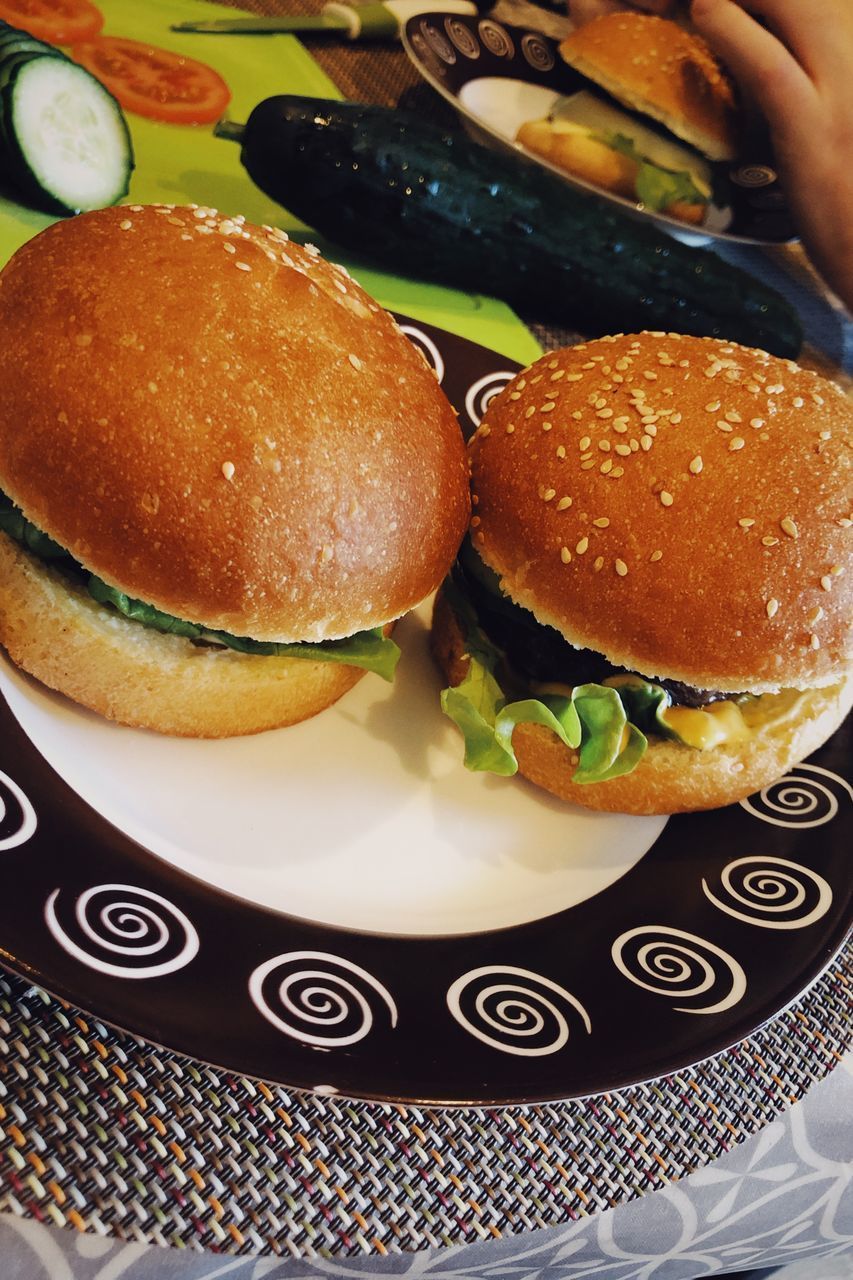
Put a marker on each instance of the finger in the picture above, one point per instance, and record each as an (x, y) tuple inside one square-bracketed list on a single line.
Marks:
[(759, 61), (583, 11), (819, 35)]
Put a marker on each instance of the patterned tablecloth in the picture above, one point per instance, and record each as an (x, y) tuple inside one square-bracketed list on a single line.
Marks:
[(129, 1143)]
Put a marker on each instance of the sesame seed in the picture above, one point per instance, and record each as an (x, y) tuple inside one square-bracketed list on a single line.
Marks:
[(772, 607), (604, 445), (815, 615), (515, 395), (546, 426), (845, 522), (561, 451), (604, 413), (354, 361), (584, 544), (587, 464), (666, 498), (564, 504), (510, 427), (599, 402), (723, 425), (732, 415), (584, 443), (548, 406), (788, 526), (555, 377), (737, 442), (598, 563), (152, 387), (229, 248), (798, 402), (620, 567), (601, 522), (696, 464), (228, 470), (655, 556), (549, 494), (624, 450), (746, 523), (606, 466), (826, 582), (815, 641), (617, 472), (327, 553), (242, 266), (756, 422), (565, 555), (125, 225), (650, 375), (675, 418), (574, 377), (645, 443), (769, 541), (590, 364), (529, 412)]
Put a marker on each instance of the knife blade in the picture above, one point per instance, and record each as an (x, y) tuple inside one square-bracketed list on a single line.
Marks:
[(374, 20)]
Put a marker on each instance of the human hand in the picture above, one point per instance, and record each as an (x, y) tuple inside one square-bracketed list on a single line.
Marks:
[(798, 69)]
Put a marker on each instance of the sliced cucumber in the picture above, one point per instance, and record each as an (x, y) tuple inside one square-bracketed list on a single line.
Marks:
[(67, 139)]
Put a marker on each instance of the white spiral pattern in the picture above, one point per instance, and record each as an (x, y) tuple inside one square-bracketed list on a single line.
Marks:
[(536, 52), (770, 887), (680, 965), (481, 393), (496, 38), (517, 1004), (124, 920), (315, 999), (430, 352), (462, 38), (802, 801), (26, 824)]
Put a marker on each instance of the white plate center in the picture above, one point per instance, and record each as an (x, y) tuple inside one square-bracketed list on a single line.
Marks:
[(363, 817)]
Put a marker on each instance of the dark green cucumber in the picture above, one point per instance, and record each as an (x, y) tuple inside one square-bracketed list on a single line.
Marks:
[(434, 204)]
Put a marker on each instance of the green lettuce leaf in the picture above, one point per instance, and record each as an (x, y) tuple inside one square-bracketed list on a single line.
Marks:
[(594, 719), (14, 523), (371, 650), (657, 187)]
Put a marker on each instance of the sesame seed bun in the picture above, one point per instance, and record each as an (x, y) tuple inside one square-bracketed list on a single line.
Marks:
[(670, 778), (54, 630), (655, 66), (218, 422), (680, 505)]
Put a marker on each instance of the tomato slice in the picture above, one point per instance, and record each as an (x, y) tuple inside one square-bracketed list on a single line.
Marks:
[(57, 21), (155, 82)]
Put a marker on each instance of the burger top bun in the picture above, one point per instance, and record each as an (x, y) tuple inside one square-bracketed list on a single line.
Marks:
[(217, 421), (655, 66), (681, 505)]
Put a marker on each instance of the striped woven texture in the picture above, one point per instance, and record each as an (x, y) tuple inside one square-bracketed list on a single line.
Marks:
[(104, 1133)]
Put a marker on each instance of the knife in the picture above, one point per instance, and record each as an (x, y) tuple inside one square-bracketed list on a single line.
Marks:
[(374, 20)]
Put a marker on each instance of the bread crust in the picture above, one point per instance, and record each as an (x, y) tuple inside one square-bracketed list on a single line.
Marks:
[(219, 422), (655, 66), (670, 778), (576, 151), (681, 505), (55, 631)]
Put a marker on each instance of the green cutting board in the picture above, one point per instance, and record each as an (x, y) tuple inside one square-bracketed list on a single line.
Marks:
[(183, 164)]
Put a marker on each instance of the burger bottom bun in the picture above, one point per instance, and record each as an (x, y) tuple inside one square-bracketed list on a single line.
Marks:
[(670, 778), (127, 672)]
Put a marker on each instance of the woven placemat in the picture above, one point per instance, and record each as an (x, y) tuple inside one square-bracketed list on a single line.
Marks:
[(104, 1133)]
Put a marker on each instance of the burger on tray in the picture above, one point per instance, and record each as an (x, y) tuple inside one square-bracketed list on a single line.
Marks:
[(652, 612), (224, 472)]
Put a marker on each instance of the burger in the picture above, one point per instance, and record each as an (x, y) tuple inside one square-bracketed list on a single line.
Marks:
[(665, 76), (652, 611), (224, 472)]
